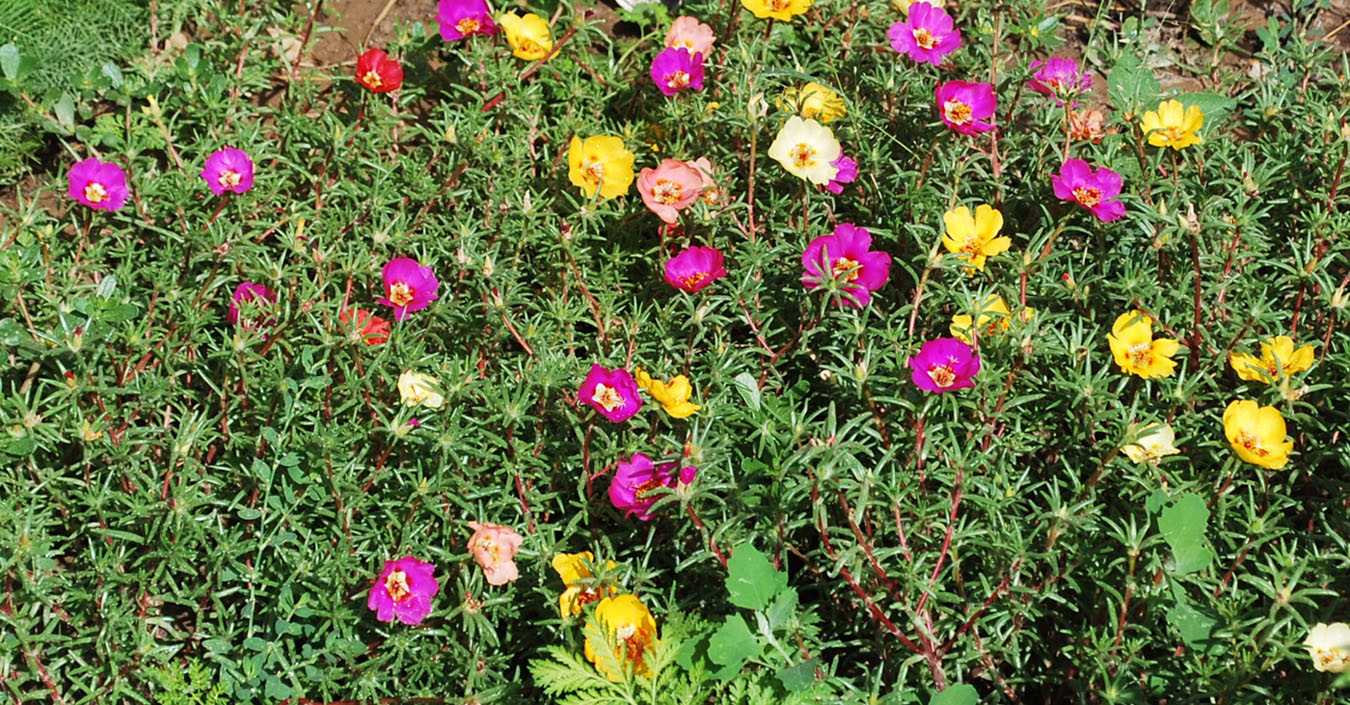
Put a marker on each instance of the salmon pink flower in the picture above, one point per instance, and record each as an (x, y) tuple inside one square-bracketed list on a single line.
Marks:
[(670, 188), (613, 393), (688, 33), (369, 329), (848, 173), (944, 365), (228, 170), (927, 35), (99, 185), (1088, 125), (637, 483), (460, 19), (408, 287), (1060, 77), (676, 70), (376, 71), (846, 258), (695, 268), (494, 547), (1093, 190), (403, 590), (964, 106), (710, 193), (254, 300)]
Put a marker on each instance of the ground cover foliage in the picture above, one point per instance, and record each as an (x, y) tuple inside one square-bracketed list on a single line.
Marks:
[(195, 510)]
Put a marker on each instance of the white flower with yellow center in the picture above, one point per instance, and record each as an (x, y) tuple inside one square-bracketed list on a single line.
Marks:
[(806, 149)]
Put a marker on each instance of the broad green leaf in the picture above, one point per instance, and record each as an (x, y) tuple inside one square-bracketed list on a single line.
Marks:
[(1196, 628), (798, 678), (783, 608), (751, 578), (959, 694), (749, 389), (9, 61), (1183, 527), (732, 645), (1131, 86), (1214, 106)]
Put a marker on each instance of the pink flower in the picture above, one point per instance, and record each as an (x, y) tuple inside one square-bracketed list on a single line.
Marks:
[(964, 106), (494, 547), (408, 287), (254, 299), (99, 185), (688, 33), (376, 71), (1059, 77), (944, 365), (846, 257), (848, 173), (927, 35), (710, 193), (636, 482), (695, 268), (676, 70), (1093, 190), (228, 170), (460, 19), (613, 393), (403, 590), (669, 188)]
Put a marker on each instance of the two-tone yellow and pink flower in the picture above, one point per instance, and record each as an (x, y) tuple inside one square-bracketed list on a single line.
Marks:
[(845, 261)]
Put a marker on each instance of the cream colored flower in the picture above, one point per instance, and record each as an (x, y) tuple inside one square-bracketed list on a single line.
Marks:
[(417, 389), (1152, 442), (1329, 646)]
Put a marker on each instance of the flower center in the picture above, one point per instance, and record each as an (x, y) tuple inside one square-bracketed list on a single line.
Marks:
[(397, 586), (592, 171), (675, 80), (778, 5), (587, 596), (1171, 134), (667, 192), (529, 46), (1055, 85), (229, 179), (95, 192), (634, 642), (942, 375), (1086, 195), (1252, 444), (957, 113), (372, 79), (924, 38), (491, 548), (646, 488), (846, 270), (693, 280), (468, 25), (401, 294), (1142, 354), (803, 155), (607, 397)]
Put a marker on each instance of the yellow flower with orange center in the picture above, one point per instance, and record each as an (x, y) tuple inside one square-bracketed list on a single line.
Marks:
[(1136, 351), (673, 396), (813, 101), (974, 238), (1257, 434), (783, 10), (627, 625), (1277, 354), (582, 586), (1173, 125), (527, 34), (994, 317), (601, 164)]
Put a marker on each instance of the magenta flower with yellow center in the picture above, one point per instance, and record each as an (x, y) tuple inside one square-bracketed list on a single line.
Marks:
[(845, 259), (404, 590), (695, 268), (675, 70), (99, 185), (670, 188), (1095, 190), (408, 286), (613, 393), (966, 107), (638, 484), (1060, 77), (927, 35), (460, 19), (228, 169), (944, 365)]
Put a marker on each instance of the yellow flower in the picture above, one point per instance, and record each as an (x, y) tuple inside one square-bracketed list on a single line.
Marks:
[(805, 148), (1151, 444), (673, 397), (783, 10), (995, 308), (1277, 354), (813, 101), (1257, 434), (528, 35), (1171, 126), (973, 239), (627, 624), (600, 163), (903, 5), (1329, 646), (417, 389), (1136, 351), (582, 588)]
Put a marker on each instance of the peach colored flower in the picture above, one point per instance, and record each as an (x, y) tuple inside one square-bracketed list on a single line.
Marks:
[(670, 188), (494, 547), (688, 33), (711, 195)]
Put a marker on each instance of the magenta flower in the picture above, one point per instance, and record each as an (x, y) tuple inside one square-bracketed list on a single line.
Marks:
[(846, 257), (403, 590), (228, 170), (695, 268), (459, 19), (944, 365), (636, 482), (1093, 190), (964, 106), (848, 173), (1059, 77), (676, 70), (927, 35), (99, 185), (408, 286), (613, 393), (254, 299)]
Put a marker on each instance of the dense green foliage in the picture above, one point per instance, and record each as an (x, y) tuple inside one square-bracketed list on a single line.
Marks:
[(177, 490)]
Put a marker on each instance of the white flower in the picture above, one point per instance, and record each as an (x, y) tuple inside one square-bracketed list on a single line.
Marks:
[(1329, 645)]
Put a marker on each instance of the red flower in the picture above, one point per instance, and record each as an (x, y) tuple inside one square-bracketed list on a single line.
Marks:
[(376, 71), (374, 330)]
